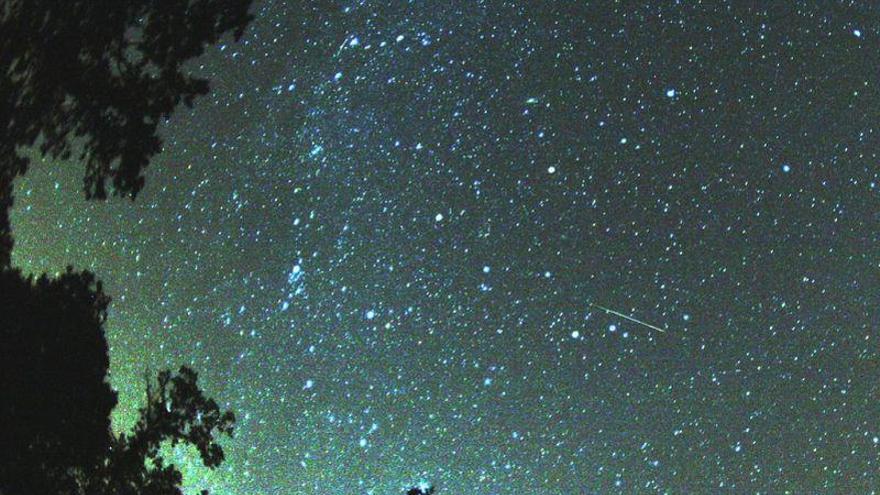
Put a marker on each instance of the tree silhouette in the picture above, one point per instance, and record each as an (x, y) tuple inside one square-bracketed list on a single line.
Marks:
[(420, 490), (97, 78), (177, 412), (55, 413), (91, 79), (56, 403)]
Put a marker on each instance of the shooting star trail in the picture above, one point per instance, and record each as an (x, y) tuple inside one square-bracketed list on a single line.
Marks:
[(630, 318)]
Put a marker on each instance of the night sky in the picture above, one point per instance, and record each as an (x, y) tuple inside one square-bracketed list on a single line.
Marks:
[(379, 237)]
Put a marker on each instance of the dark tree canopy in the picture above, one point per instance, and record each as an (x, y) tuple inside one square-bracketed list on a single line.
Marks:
[(92, 79), (419, 490), (176, 412), (56, 402), (96, 78)]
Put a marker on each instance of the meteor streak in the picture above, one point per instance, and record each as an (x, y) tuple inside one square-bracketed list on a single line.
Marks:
[(630, 318)]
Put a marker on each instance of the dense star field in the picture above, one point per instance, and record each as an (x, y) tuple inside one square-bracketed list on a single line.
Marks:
[(379, 237)]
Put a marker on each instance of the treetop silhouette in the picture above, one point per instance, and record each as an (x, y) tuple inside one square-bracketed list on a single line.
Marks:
[(91, 79), (419, 490), (97, 78), (56, 402), (176, 412), (55, 412)]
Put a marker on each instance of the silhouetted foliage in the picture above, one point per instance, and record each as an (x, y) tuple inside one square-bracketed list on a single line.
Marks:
[(176, 412), (96, 78), (56, 402), (93, 79), (418, 490)]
